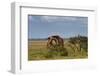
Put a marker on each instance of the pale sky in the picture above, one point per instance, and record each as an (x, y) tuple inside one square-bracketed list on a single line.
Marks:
[(64, 26)]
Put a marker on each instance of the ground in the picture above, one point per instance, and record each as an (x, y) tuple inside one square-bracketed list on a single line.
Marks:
[(37, 50)]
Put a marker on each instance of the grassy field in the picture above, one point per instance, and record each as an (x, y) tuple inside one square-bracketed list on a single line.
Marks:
[(37, 50)]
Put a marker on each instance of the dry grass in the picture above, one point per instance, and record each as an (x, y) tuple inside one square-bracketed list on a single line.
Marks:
[(37, 50)]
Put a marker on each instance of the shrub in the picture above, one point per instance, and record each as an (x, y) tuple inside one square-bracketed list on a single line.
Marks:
[(57, 51)]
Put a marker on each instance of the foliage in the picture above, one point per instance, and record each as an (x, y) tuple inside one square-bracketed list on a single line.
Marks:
[(79, 42)]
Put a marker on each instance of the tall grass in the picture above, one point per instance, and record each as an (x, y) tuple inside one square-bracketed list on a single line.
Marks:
[(39, 51)]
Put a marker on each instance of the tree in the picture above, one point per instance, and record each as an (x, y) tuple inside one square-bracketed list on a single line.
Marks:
[(78, 42)]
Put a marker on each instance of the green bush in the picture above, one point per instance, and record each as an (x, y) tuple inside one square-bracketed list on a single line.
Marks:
[(57, 51)]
